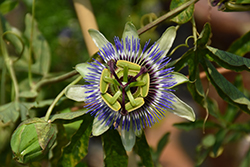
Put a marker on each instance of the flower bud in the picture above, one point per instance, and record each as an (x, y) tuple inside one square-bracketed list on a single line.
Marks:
[(32, 139)]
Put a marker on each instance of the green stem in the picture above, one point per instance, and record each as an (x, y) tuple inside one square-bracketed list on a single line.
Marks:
[(8, 63), (3, 80), (59, 96), (31, 44), (55, 79), (168, 15), (194, 32)]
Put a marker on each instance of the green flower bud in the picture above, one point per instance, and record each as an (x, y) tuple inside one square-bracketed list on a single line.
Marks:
[(32, 139)]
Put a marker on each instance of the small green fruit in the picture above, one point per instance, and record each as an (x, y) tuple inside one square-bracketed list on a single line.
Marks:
[(32, 139)]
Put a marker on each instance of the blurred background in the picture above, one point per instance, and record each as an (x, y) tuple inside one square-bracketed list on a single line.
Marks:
[(58, 22)]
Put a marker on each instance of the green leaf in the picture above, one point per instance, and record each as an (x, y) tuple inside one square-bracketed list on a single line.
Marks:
[(28, 94), (115, 155), (143, 150), (61, 141), (24, 108), (178, 64), (10, 112), (225, 89), (196, 88), (187, 126), (204, 36), (162, 143), (201, 156), (241, 46), (240, 127), (40, 47), (68, 117), (77, 149), (8, 5), (229, 60), (220, 136), (185, 15), (13, 36)]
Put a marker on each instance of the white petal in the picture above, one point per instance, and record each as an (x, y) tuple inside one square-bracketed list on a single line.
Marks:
[(179, 78), (182, 109), (83, 69), (129, 32), (76, 92), (166, 41), (128, 139), (98, 127), (98, 38)]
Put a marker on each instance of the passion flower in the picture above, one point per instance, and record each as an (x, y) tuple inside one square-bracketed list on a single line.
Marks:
[(132, 89)]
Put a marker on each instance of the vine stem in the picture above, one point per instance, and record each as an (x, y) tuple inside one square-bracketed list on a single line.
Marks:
[(31, 43), (55, 79), (168, 15), (49, 111), (8, 63)]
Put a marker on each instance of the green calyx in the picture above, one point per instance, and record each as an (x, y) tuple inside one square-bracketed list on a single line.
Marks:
[(124, 86)]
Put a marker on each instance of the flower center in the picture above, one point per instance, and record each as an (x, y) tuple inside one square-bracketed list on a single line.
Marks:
[(124, 85)]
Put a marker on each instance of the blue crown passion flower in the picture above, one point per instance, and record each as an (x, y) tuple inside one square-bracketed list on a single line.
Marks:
[(132, 88)]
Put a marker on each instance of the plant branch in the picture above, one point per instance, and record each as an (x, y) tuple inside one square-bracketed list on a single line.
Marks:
[(49, 111), (55, 79), (168, 15)]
